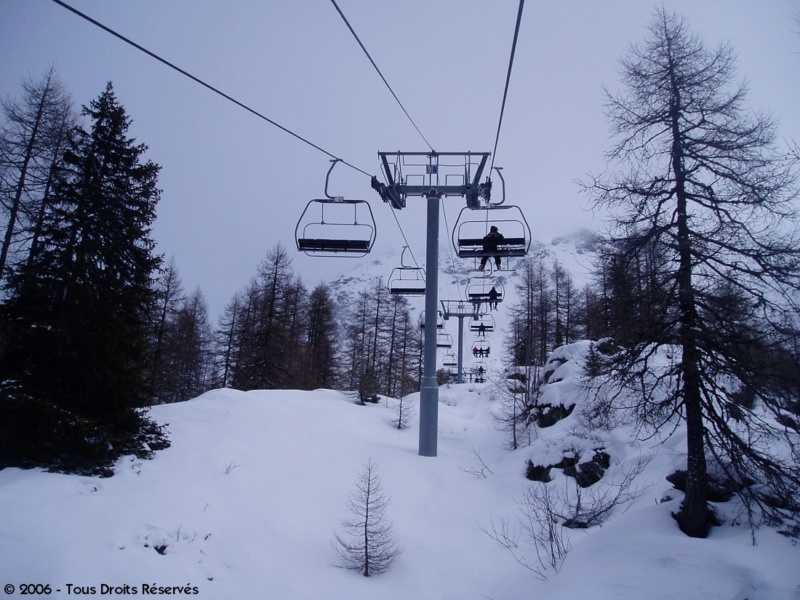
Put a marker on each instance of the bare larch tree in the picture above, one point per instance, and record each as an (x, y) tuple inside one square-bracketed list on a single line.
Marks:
[(370, 547), (697, 173)]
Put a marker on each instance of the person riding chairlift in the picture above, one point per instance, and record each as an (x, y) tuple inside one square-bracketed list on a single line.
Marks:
[(493, 297), (490, 241)]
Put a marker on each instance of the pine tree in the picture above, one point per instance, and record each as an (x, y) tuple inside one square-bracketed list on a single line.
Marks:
[(189, 349), (75, 324), (532, 335), (358, 374), (294, 315), (270, 326), (321, 340), (564, 305), (226, 342), (632, 278), (169, 296)]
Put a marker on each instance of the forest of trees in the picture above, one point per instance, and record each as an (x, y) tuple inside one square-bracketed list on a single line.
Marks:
[(275, 334), (77, 295), (95, 326)]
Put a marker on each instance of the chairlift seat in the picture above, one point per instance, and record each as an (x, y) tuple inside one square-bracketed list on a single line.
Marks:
[(407, 291), (332, 245), (473, 248), (484, 297), (444, 340)]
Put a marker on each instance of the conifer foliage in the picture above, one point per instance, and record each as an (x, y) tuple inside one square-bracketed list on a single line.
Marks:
[(75, 320)]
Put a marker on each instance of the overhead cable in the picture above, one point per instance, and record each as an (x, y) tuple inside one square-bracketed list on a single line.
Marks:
[(452, 258), (204, 84), (379, 72), (508, 79)]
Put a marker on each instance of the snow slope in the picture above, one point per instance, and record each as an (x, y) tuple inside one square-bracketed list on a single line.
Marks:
[(246, 502)]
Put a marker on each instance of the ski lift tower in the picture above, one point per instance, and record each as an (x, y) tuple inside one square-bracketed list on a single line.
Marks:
[(432, 175), (459, 309)]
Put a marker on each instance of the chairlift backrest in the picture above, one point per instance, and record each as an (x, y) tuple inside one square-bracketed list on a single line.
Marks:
[(481, 348), (403, 285), (481, 344)]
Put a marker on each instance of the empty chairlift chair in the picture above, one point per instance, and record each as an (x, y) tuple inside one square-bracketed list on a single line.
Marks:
[(406, 280), (444, 340), (439, 321), (336, 227)]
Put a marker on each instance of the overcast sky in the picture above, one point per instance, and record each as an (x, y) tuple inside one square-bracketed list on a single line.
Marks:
[(234, 185)]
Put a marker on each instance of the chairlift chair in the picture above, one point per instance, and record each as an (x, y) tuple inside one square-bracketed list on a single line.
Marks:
[(479, 366), (449, 360), (482, 323), (444, 340), (335, 226), (439, 320), (478, 371), (481, 348), (475, 223), (479, 290), (407, 280), (478, 219)]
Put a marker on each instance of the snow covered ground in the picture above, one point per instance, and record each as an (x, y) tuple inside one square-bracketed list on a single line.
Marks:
[(246, 502)]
